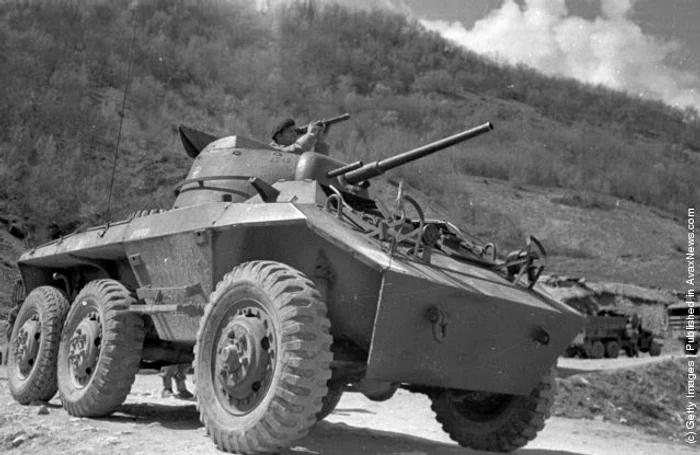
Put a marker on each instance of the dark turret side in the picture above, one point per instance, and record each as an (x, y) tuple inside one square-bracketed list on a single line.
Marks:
[(223, 170)]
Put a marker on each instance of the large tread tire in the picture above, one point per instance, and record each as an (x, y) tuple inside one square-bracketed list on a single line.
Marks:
[(612, 349), (121, 336), (49, 306), (510, 426), (297, 351), (331, 400)]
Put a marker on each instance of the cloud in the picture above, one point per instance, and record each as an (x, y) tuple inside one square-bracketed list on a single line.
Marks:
[(610, 50)]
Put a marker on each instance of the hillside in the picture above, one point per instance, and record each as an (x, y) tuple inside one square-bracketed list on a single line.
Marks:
[(602, 178)]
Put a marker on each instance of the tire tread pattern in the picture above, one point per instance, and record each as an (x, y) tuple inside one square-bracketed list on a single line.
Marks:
[(42, 384), (526, 417), (305, 350), (331, 400), (123, 335)]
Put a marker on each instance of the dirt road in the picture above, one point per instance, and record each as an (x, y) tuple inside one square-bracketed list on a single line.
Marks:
[(404, 425), (567, 367)]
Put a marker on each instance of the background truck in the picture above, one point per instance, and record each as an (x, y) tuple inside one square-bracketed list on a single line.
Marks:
[(609, 332)]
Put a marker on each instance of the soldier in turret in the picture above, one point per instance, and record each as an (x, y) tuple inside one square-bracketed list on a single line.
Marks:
[(288, 138)]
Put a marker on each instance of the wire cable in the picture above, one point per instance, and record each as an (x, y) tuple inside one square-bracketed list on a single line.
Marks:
[(122, 113)]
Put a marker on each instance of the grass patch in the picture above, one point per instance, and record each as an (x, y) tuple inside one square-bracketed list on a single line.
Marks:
[(557, 249), (585, 200)]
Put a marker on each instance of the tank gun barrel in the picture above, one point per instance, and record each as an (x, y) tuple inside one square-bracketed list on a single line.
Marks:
[(344, 170), (380, 166)]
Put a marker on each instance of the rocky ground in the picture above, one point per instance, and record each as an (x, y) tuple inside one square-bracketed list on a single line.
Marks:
[(647, 393), (404, 425)]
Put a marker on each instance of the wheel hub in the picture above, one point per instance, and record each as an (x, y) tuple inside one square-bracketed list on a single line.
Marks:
[(85, 345), (27, 345), (244, 359)]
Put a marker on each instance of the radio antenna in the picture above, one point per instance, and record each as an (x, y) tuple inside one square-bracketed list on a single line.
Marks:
[(122, 113)]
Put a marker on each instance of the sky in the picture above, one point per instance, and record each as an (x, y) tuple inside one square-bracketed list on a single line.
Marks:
[(648, 48)]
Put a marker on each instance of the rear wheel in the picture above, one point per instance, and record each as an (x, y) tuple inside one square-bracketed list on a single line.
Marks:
[(262, 358), (655, 349), (612, 349), (100, 350), (495, 422), (34, 344), (597, 350)]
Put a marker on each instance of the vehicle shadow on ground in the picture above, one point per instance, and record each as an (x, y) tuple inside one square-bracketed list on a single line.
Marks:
[(348, 411), (328, 438), (172, 416)]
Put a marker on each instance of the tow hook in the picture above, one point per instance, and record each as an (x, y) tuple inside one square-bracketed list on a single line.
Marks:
[(438, 319)]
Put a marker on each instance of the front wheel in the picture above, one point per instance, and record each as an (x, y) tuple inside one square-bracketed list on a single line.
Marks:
[(495, 422), (33, 350), (262, 358)]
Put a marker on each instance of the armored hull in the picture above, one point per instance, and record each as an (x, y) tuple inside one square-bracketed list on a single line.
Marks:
[(380, 301)]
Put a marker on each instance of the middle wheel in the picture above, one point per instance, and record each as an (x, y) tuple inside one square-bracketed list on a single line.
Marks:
[(612, 349), (100, 350), (262, 358), (596, 350)]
